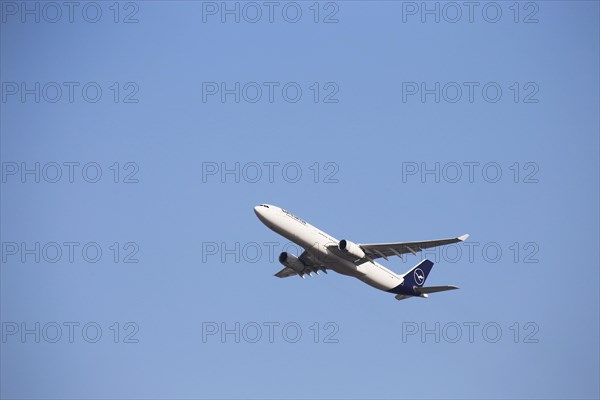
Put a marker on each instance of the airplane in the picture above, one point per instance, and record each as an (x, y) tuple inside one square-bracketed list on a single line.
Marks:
[(323, 252)]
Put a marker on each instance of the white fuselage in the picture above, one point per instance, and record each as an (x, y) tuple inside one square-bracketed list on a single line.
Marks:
[(318, 244)]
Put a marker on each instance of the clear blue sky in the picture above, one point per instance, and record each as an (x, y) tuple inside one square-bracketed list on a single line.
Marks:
[(172, 217)]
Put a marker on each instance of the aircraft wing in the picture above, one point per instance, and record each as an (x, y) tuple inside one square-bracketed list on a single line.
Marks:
[(310, 267), (286, 272), (385, 250)]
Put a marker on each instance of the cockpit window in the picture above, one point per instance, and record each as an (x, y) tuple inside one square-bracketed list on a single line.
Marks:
[(264, 205)]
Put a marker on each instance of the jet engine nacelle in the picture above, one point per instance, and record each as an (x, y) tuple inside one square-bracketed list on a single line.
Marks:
[(351, 248), (290, 260)]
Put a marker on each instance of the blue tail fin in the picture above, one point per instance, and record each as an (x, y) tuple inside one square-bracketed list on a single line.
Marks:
[(418, 275)]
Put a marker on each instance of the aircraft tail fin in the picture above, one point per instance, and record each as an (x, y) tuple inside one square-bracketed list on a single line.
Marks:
[(417, 275)]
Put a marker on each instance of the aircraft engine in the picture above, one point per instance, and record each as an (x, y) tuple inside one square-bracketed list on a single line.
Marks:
[(351, 248), (290, 260)]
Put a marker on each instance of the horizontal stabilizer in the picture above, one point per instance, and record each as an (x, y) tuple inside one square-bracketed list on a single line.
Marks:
[(433, 289)]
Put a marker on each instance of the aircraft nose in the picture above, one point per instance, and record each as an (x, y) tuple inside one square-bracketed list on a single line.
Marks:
[(261, 213)]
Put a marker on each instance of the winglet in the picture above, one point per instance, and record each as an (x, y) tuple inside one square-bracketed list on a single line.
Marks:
[(463, 237)]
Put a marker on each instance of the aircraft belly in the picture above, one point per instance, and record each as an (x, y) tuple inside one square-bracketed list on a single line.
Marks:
[(339, 265), (302, 237), (316, 247), (378, 277)]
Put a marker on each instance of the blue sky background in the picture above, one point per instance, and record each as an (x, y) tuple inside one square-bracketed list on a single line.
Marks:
[(171, 213)]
